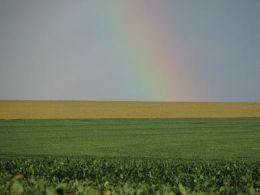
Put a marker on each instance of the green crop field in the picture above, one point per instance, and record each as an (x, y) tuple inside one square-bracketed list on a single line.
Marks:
[(157, 138), (130, 156)]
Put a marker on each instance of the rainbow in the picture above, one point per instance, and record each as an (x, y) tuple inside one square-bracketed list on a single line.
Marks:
[(143, 48), (142, 45)]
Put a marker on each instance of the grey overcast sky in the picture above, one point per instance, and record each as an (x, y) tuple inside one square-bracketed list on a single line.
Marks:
[(167, 50)]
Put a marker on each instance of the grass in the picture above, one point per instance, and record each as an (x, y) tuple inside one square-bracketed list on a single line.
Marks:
[(207, 139)]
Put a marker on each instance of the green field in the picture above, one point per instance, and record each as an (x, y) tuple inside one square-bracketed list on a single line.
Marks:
[(130, 156), (156, 138)]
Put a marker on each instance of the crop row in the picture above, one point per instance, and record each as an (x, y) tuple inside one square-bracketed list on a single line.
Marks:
[(127, 176)]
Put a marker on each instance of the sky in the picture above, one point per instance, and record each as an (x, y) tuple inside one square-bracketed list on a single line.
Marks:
[(131, 50)]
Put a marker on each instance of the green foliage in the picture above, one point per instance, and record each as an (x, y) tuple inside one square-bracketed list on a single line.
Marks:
[(127, 176), (130, 156)]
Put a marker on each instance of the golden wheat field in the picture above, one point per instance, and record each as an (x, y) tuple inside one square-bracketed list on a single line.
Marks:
[(88, 109)]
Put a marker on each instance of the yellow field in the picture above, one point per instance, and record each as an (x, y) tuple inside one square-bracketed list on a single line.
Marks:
[(81, 110)]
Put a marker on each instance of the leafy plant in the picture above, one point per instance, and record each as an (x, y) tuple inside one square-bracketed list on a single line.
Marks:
[(127, 176)]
